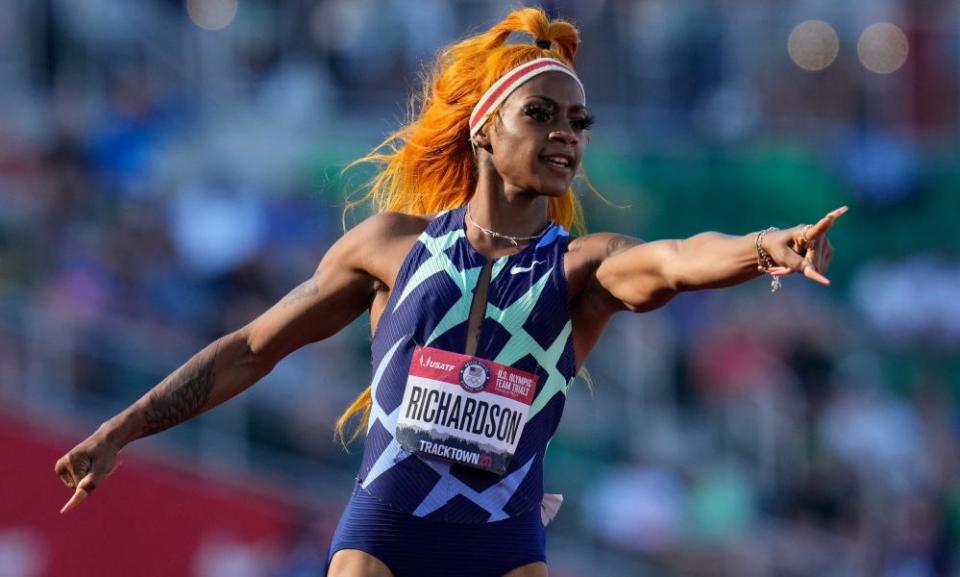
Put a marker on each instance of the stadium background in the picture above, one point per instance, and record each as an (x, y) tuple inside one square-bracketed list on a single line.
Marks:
[(168, 169)]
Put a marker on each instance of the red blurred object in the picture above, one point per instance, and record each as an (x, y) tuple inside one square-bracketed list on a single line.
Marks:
[(148, 520)]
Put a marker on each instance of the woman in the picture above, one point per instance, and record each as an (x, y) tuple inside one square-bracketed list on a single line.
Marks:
[(483, 308)]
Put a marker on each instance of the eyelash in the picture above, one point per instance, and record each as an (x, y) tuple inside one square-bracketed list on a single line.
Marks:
[(584, 123), (538, 113), (543, 114)]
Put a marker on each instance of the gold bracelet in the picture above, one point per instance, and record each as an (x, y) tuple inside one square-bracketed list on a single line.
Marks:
[(764, 262)]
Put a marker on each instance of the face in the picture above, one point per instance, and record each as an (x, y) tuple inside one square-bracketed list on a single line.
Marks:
[(538, 139)]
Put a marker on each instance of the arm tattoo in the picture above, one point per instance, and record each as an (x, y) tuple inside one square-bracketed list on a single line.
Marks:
[(183, 394), (306, 290), (619, 244)]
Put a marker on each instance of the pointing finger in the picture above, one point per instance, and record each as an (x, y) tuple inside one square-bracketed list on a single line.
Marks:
[(78, 496), (84, 488), (824, 224)]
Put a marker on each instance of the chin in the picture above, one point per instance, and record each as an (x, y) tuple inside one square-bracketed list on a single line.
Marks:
[(554, 184), (555, 187), (554, 192), (547, 190), (550, 187)]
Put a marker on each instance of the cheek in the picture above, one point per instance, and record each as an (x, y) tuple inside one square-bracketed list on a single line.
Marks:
[(515, 157)]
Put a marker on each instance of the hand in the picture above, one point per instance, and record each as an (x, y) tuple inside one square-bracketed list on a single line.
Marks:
[(86, 466), (804, 249)]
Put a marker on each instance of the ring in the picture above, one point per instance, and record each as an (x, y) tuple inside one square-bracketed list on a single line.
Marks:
[(803, 234)]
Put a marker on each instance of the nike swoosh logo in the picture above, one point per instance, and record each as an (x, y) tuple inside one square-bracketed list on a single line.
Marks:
[(520, 269)]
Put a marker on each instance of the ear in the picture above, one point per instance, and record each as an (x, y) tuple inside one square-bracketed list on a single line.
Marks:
[(482, 140)]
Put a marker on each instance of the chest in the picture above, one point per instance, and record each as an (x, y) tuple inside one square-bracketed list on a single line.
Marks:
[(463, 286), (448, 282)]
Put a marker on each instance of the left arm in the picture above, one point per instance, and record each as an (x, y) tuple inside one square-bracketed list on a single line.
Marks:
[(645, 276)]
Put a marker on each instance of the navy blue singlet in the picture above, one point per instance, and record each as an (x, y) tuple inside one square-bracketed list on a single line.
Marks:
[(422, 516)]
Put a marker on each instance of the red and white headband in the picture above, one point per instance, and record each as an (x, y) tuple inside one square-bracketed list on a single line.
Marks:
[(513, 79)]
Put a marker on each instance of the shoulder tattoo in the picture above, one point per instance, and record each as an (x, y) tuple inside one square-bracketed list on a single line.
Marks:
[(618, 244)]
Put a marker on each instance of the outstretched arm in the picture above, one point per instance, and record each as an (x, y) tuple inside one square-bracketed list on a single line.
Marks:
[(645, 276), (340, 290)]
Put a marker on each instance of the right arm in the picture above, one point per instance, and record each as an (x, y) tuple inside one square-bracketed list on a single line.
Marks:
[(341, 288)]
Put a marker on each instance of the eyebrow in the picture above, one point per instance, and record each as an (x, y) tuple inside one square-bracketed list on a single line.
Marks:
[(573, 108)]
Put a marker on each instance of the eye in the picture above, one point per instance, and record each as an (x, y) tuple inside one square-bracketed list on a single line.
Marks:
[(538, 112), (580, 124)]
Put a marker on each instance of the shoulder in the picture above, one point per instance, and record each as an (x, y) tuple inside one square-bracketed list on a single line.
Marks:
[(378, 245), (586, 253), (597, 246), (381, 232), (387, 226), (591, 305)]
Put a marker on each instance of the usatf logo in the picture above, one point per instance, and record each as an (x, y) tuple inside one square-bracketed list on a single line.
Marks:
[(474, 376)]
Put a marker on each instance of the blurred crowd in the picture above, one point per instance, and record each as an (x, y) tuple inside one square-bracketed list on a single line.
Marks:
[(786, 445), (160, 185)]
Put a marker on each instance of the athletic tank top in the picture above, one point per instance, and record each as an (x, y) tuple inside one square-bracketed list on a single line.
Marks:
[(526, 326)]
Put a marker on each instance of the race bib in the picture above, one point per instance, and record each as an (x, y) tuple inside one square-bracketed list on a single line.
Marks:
[(464, 409)]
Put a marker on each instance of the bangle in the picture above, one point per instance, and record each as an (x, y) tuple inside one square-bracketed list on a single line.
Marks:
[(764, 262)]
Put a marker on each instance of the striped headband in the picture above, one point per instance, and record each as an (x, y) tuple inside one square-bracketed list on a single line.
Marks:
[(504, 87)]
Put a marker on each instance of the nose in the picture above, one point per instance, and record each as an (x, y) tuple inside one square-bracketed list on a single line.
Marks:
[(563, 136)]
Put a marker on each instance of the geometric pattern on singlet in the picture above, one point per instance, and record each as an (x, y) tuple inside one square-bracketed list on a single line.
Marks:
[(526, 325)]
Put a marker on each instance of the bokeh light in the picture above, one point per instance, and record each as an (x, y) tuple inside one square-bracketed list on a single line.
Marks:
[(883, 48), (212, 14), (813, 45)]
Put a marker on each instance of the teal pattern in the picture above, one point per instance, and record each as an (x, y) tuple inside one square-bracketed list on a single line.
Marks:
[(526, 325)]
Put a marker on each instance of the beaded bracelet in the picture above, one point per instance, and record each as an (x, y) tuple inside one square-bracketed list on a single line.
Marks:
[(764, 262)]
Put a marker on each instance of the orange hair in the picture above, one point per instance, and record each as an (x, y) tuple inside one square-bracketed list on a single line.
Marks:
[(428, 165)]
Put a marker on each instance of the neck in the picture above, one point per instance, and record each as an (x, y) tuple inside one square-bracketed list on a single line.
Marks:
[(508, 212)]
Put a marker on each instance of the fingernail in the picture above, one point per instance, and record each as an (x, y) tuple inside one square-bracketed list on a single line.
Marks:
[(78, 496)]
